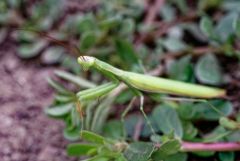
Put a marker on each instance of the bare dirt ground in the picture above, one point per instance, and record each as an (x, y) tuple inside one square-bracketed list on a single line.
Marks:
[(26, 133)]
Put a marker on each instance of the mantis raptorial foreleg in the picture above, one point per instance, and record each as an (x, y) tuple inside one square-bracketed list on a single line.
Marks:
[(93, 93), (96, 92)]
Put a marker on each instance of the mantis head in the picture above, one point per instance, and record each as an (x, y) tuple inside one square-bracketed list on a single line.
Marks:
[(86, 61)]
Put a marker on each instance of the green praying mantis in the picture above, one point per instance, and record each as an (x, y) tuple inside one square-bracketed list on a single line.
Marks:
[(140, 82)]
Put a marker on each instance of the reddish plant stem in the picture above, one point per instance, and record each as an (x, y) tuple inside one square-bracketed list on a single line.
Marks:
[(162, 27), (151, 15), (138, 129), (220, 146), (152, 11)]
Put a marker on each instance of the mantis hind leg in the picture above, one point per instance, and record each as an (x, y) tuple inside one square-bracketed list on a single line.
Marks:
[(138, 93), (125, 112), (145, 115), (195, 100)]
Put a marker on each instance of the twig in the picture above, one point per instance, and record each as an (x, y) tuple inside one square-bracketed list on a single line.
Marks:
[(152, 11), (138, 129), (151, 15), (162, 27)]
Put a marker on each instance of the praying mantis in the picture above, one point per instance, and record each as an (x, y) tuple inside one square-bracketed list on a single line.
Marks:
[(140, 82)]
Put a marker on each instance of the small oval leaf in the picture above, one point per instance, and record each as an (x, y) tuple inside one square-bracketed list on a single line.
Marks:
[(208, 70)]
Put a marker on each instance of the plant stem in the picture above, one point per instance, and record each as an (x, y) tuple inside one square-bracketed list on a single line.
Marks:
[(220, 146), (151, 15)]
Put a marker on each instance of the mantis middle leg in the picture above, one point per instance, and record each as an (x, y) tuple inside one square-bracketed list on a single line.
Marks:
[(145, 115)]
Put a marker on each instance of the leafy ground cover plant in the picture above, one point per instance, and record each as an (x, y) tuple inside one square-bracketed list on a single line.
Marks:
[(182, 40)]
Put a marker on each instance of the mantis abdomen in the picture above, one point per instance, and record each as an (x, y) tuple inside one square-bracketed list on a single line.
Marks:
[(162, 85)]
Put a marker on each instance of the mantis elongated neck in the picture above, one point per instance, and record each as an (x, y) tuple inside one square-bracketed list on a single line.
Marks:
[(107, 69)]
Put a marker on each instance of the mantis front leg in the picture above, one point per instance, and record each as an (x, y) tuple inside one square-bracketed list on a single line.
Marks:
[(93, 93), (96, 92)]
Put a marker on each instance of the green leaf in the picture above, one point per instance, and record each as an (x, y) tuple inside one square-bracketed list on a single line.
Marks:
[(168, 148), (86, 23), (231, 6), (74, 79), (204, 153), (168, 12), (224, 28), (60, 110), (190, 132), (57, 86), (88, 40), (113, 129), (127, 26), (186, 110), (226, 156), (139, 151), (206, 25), (167, 120), (126, 51), (77, 149), (72, 134), (27, 51), (204, 110), (92, 137), (110, 23), (176, 157), (209, 4), (174, 45), (52, 55), (195, 31), (208, 70), (182, 69), (236, 26), (64, 98), (75, 119)]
